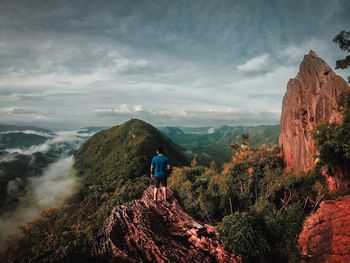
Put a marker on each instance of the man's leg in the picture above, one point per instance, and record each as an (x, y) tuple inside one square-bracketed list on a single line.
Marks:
[(164, 187), (164, 190), (155, 193)]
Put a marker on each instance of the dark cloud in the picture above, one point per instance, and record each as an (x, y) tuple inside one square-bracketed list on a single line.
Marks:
[(66, 58)]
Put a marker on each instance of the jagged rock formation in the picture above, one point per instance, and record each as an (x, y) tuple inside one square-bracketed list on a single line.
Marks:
[(314, 96), (326, 233), (143, 231)]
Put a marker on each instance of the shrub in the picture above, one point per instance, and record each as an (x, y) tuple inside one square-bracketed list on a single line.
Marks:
[(243, 233)]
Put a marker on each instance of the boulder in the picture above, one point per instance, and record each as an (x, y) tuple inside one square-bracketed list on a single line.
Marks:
[(326, 233)]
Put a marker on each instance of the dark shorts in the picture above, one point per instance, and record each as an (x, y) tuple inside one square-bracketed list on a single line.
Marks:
[(160, 179)]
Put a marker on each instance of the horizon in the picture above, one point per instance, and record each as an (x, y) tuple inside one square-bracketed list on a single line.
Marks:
[(116, 124), (69, 65)]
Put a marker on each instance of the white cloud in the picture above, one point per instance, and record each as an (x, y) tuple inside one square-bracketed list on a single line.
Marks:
[(21, 113), (212, 116), (121, 109), (28, 132), (60, 137), (54, 184), (296, 52), (57, 183), (7, 158), (255, 64)]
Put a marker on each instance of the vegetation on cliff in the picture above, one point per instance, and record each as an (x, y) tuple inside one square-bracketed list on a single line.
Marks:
[(333, 144), (343, 40), (259, 209)]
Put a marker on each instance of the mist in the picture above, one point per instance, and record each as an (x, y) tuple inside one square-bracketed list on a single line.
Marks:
[(51, 189), (60, 137)]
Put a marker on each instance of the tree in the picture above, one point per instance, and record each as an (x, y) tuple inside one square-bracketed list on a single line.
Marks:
[(343, 40), (333, 140)]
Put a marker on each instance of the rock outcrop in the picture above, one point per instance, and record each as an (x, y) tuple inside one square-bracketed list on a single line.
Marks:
[(314, 96), (143, 231), (326, 233)]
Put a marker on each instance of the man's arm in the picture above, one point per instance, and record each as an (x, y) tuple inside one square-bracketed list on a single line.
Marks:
[(168, 167), (151, 170)]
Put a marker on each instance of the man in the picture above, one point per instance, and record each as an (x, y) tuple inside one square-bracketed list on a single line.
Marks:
[(160, 167)]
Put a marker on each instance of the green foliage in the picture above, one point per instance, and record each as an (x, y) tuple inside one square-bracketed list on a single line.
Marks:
[(251, 177), (113, 167), (343, 40), (262, 208), (243, 233), (333, 140), (281, 229), (199, 190)]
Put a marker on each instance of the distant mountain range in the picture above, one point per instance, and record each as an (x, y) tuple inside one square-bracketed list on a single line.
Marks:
[(11, 128), (208, 144)]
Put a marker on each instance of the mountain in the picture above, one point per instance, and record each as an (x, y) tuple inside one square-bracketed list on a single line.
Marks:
[(20, 140), (12, 128), (213, 143), (112, 167), (316, 95), (15, 136), (316, 98), (126, 149)]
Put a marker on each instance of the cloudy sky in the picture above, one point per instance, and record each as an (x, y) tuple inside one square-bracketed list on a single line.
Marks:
[(68, 64)]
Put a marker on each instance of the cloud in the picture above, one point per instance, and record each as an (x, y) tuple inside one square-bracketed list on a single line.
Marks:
[(121, 109), (6, 158), (255, 64), (120, 52), (59, 137), (214, 116), (20, 113), (296, 52), (28, 132), (51, 189), (45, 147)]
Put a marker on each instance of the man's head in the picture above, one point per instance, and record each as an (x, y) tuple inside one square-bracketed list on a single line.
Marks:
[(160, 150)]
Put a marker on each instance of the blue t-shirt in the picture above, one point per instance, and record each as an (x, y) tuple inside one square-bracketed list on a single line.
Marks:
[(160, 163)]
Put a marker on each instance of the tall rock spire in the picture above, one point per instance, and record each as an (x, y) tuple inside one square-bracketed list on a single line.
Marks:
[(314, 96)]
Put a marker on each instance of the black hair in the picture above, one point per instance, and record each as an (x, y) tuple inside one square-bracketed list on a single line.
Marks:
[(160, 149)]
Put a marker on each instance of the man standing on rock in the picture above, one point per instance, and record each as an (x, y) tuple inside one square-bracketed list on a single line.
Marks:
[(160, 167)]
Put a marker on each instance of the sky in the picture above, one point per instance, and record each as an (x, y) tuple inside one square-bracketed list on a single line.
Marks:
[(69, 64)]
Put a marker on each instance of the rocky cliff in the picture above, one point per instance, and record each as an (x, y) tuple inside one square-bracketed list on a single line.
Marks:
[(326, 233), (314, 96), (143, 231)]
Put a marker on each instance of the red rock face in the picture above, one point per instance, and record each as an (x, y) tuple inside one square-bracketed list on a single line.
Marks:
[(143, 231), (326, 233), (314, 96)]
